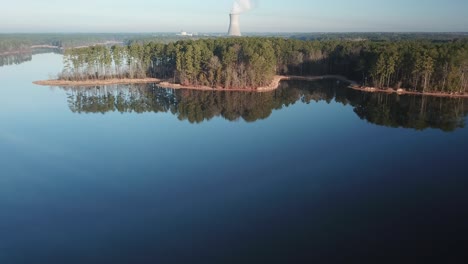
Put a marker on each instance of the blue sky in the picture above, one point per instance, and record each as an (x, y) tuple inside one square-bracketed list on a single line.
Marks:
[(212, 16)]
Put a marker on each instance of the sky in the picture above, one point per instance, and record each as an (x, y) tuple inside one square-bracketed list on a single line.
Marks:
[(213, 16)]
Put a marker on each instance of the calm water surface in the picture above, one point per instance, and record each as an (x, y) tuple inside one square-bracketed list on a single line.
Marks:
[(312, 171)]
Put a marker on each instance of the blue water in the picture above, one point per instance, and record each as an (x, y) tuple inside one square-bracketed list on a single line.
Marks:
[(304, 182)]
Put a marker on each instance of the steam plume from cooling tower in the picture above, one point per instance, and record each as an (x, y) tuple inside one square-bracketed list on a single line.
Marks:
[(239, 6)]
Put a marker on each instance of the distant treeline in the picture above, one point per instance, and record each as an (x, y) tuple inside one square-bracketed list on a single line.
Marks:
[(381, 36), (251, 62), (16, 41), (23, 42)]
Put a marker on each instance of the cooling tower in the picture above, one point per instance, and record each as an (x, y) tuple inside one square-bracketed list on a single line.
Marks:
[(234, 26)]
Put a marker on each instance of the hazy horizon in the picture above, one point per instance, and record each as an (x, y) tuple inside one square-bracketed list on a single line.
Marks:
[(144, 16)]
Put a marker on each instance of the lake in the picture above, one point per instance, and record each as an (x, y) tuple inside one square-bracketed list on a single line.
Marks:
[(310, 172)]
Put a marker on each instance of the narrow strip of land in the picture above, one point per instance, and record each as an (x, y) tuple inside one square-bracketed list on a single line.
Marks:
[(45, 47), (7, 53), (85, 83), (167, 84), (272, 86), (406, 92)]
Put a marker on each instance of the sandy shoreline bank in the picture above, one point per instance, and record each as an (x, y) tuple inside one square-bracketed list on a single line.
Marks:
[(272, 86), (96, 82), (404, 92), (166, 84)]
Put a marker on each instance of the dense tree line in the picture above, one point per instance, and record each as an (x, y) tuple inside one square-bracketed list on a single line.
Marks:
[(250, 62), (210, 62), (409, 111), (415, 65)]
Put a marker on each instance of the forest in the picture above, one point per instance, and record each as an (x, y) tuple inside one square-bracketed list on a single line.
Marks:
[(249, 62)]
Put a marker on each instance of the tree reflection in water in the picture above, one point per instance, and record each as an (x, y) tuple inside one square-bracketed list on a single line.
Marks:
[(25, 56), (11, 59), (391, 110)]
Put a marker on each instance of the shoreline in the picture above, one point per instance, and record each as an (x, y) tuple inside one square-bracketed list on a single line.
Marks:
[(271, 87)]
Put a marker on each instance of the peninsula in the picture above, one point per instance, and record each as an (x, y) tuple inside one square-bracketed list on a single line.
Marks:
[(259, 64)]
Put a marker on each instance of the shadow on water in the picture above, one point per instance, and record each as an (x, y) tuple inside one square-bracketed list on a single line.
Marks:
[(408, 111)]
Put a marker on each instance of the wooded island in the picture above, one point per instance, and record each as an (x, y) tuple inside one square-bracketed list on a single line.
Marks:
[(247, 63)]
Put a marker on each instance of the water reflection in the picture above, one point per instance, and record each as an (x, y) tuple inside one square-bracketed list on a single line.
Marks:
[(17, 58), (392, 110), (22, 57)]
